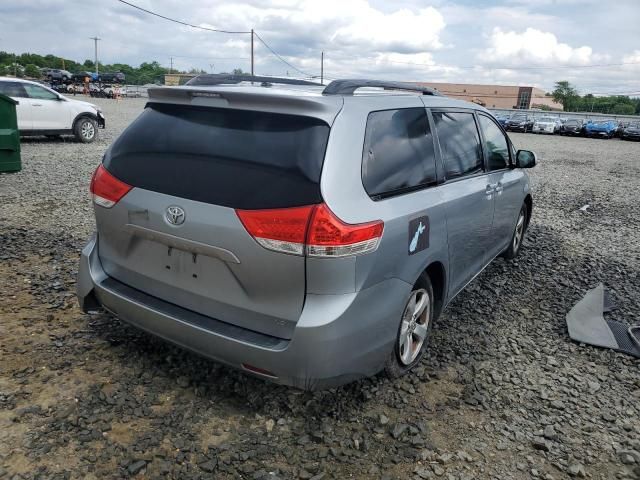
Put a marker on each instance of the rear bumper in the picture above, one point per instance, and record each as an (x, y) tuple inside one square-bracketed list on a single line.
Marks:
[(338, 338)]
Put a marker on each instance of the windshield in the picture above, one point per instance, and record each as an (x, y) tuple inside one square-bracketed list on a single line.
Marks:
[(572, 122), (547, 119), (634, 125)]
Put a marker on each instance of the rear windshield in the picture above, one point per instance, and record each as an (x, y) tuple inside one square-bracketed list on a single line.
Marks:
[(234, 158)]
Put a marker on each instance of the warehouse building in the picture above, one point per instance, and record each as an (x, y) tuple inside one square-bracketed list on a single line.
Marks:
[(497, 96)]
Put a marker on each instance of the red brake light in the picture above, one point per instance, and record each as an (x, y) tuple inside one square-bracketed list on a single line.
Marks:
[(106, 189), (315, 227), (282, 229)]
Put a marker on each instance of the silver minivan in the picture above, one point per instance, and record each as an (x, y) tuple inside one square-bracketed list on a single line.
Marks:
[(305, 234)]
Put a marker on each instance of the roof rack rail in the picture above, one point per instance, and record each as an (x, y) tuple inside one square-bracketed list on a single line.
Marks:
[(225, 79), (348, 87)]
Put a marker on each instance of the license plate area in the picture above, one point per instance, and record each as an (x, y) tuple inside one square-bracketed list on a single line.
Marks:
[(183, 264)]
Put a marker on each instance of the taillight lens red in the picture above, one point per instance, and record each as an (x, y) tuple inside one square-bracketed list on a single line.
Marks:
[(106, 189), (313, 229)]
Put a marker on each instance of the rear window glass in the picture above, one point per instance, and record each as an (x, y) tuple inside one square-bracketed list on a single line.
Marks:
[(234, 158), (459, 143), (398, 152)]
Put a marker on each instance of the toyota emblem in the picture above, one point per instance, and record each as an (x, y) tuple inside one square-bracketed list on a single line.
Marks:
[(175, 215)]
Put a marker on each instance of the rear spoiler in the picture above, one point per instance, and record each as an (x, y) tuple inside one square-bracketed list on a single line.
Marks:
[(252, 98)]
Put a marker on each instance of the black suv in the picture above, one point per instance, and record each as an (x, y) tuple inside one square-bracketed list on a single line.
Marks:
[(520, 122), (116, 77)]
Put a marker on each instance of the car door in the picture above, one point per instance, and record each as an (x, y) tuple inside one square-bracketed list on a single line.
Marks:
[(49, 111), (16, 91), (467, 196), (505, 182)]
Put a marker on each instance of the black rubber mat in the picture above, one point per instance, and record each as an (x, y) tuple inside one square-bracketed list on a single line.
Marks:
[(626, 344)]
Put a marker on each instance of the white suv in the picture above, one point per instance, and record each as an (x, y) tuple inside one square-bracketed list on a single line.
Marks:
[(42, 111)]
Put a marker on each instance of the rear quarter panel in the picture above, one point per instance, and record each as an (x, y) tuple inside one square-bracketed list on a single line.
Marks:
[(344, 193)]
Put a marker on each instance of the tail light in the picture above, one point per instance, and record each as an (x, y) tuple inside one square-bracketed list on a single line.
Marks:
[(106, 189), (313, 230)]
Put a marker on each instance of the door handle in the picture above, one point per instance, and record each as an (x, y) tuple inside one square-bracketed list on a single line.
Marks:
[(36, 104)]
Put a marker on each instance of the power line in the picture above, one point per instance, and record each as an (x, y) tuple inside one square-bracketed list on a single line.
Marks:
[(179, 21), (280, 58), (251, 32)]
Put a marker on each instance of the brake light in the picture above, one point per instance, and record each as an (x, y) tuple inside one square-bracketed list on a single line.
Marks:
[(313, 230), (106, 189), (329, 236)]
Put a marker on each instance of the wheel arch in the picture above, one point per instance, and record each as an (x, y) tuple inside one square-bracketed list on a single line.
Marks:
[(528, 201), (82, 115), (438, 277)]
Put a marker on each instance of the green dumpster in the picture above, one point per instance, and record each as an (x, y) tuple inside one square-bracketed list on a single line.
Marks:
[(9, 136)]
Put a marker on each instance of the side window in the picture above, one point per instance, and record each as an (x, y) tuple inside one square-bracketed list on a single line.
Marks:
[(12, 89), (398, 152), (35, 91), (459, 143), (496, 144)]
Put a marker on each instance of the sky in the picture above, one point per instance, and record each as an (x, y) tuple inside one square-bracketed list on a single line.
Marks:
[(511, 42)]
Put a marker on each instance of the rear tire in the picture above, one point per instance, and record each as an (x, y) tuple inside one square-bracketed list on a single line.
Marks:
[(414, 329), (85, 130), (518, 235)]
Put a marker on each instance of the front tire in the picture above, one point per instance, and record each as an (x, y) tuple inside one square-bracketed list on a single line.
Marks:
[(86, 130), (518, 235), (414, 329)]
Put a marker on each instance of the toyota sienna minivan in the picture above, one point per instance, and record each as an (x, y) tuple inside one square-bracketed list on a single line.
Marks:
[(305, 234)]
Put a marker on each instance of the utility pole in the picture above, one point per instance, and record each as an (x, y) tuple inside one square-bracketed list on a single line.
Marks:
[(211, 67), (95, 51), (322, 68), (252, 52)]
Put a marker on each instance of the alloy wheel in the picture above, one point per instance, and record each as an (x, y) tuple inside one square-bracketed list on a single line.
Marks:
[(519, 233), (88, 130), (415, 326)]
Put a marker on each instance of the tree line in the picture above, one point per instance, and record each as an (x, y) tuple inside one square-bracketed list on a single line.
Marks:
[(29, 64), (571, 101)]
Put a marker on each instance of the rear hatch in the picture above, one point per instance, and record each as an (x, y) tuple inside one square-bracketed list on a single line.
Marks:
[(176, 234)]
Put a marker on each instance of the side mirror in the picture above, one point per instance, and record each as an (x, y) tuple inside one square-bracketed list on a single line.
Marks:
[(525, 159)]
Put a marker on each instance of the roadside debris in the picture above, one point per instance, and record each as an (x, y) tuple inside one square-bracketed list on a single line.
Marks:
[(586, 324)]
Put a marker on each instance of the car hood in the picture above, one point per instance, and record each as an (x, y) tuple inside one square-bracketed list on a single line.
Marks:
[(606, 126), (632, 129)]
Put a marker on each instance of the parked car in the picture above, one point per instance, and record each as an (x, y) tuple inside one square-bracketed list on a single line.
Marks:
[(601, 128), (521, 122), (55, 74), (546, 125), (573, 126), (502, 119), (631, 131), (116, 77), (80, 76), (622, 124), (261, 234), (42, 111)]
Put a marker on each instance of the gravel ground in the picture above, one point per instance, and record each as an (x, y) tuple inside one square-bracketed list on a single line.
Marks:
[(502, 394)]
